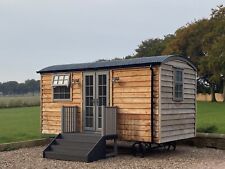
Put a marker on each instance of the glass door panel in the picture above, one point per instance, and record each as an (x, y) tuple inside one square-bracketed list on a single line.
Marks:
[(101, 97), (88, 102), (95, 96)]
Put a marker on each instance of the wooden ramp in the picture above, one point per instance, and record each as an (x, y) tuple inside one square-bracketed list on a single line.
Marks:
[(78, 147)]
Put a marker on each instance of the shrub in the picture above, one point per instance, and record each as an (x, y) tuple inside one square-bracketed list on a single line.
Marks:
[(208, 129)]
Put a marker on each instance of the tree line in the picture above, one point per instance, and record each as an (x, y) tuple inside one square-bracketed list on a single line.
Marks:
[(14, 88), (202, 42)]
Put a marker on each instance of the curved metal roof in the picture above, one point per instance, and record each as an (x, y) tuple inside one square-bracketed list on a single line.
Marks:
[(143, 61)]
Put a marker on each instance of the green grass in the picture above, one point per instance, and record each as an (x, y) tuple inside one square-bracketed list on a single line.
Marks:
[(19, 101), (211, 117), (18, 124)]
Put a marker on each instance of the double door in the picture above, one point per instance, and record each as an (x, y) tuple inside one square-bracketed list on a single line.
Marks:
[(95, 96)]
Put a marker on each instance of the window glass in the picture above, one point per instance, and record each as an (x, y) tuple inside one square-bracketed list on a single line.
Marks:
[(61, 80), (61, 92), (61, 87), (178, 85)]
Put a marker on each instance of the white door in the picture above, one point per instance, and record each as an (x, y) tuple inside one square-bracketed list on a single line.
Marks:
[(95, 96)]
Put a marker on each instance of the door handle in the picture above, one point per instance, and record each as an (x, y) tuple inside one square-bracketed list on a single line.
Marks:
[(97, 102)]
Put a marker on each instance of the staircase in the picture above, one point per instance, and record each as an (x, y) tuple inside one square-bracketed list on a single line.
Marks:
[(86, 147)]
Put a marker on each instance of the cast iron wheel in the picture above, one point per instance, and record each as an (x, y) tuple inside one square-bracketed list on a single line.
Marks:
[(174, 145), (134, 149), (166, 146), (139, 148)]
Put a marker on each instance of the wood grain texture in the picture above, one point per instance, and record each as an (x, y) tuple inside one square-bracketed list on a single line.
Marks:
[(177, 118), (156, 100), (51, 110), (132, 96)]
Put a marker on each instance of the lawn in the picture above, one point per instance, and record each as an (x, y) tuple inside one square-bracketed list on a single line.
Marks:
[(17, 124), (211, 115)]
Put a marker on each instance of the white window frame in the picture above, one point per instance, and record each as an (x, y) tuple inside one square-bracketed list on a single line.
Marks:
[(61, 80), (176, 96)]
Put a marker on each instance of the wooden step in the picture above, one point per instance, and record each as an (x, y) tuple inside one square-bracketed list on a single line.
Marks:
[(72, 150), (65, 156), (81, 137), (77, 147), (69, 152), (73, 144)]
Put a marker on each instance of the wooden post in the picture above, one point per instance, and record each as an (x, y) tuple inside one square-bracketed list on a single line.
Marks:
[(115, 147), (62, 119), (103, 121)]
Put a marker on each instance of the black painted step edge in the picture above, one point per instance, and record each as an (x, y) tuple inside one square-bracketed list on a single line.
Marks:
[(66, 157), (48, 148), (70, 147)]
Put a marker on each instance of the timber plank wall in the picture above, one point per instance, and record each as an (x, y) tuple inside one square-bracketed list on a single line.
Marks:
[(132, 96), (177, 118), (51, 110)]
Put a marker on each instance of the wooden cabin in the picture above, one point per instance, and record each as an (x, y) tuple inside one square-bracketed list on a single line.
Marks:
[(149, 99)]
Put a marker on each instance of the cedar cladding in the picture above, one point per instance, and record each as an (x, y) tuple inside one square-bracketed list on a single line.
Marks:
[(51, 110), (132, 96)]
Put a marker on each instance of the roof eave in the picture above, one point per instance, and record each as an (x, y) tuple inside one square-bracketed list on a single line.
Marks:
[(182, 59), (99, 68)]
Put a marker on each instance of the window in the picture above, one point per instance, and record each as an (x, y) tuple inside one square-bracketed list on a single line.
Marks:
[(61, 80), (178, 85), (61, 87)]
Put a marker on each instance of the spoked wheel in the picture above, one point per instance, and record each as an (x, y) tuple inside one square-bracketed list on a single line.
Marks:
[(139, 148), (166, 147), (174, 145), (169, 146)]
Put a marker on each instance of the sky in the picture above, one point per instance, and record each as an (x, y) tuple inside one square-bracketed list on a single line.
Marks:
[(39, 33)]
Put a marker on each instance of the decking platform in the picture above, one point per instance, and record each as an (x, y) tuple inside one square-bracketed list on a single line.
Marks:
[(86, 147)]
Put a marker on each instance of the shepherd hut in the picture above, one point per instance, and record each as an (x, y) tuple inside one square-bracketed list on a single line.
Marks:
[(145, 100)]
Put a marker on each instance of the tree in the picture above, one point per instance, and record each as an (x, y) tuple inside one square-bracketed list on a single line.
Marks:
[(201, 41), (188, 41), (151, 47), (15, 88), (9, 88), (32, 85), (213, 63)]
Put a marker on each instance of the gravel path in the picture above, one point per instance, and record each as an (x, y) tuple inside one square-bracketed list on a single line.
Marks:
[(184, 158)]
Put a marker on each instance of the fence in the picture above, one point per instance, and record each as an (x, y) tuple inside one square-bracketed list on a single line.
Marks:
[(207, 97)]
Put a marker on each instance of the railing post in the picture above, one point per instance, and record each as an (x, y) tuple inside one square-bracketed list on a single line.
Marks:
[(115, 147), (103, 120), (62, 119)]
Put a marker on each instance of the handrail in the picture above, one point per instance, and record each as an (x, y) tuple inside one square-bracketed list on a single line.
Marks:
[(109, 121)]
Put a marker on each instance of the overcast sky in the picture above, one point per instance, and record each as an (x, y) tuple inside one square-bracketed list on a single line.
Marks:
[(39, 33)]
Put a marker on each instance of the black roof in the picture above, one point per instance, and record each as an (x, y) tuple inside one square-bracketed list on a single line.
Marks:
[(143, 61)]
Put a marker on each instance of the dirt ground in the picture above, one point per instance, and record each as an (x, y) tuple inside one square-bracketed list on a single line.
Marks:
[(183, 158)]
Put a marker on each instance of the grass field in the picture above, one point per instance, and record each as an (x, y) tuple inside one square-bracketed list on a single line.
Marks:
[(17, 124), (211, 115), (19, 101)]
